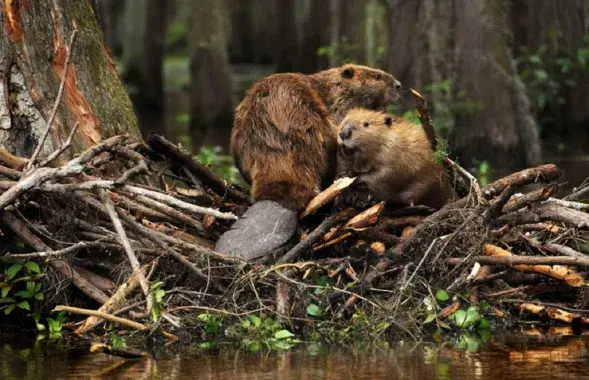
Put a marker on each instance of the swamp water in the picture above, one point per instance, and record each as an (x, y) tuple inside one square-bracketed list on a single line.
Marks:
[(508, 356)]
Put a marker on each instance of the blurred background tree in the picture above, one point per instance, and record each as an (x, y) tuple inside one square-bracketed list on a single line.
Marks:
[(507, 81)]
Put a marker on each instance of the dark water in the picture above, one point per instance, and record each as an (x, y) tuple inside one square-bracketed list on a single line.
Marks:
[(504, 357)]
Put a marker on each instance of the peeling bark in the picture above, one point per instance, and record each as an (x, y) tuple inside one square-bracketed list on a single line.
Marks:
[(34, 47)]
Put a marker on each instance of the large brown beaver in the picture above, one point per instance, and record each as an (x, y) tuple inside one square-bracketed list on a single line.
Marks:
[(284, 142), (391, 158)]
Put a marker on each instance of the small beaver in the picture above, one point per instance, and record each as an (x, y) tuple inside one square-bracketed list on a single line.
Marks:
[(392, 159), (284, 143)]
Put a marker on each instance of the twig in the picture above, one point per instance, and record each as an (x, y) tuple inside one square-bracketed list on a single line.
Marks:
[(64, 146), (105, 316), (56, 103), (118, 226), (161, 197), (531, 260), (313, 237), (61, 252)]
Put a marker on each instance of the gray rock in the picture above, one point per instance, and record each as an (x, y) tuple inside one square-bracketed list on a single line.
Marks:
[(265, 226)]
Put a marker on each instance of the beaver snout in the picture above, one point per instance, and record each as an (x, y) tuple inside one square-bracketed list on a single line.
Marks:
[(346, 132), (397, 86)]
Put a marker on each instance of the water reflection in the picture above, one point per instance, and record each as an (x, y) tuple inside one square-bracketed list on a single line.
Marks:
[(520, 356)]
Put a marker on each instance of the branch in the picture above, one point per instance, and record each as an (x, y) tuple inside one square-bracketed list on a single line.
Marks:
[(110, 208), (62, 148), (56, 103)]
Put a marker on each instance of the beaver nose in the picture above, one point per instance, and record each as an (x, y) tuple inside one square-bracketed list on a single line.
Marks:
[(398, 86), (346, 132)]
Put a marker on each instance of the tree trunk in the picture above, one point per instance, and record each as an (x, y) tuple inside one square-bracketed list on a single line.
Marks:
[(34, 47), (143, 52), (211, 108), (495, 124), (315, 34), (287, 45), (559, 26), (109, 19), (459, 56)]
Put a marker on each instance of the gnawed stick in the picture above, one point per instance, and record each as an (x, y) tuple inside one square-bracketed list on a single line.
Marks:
[(114, 302), (535, 196), (496, 255), (110, 318)]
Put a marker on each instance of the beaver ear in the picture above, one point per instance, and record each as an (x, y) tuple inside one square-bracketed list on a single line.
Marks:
[(388, 121), (348, 73)]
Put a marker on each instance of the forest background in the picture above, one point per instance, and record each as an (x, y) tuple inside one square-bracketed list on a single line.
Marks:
[(507, 81)]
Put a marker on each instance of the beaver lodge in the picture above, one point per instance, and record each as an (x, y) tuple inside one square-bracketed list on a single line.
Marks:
[(124, 234)]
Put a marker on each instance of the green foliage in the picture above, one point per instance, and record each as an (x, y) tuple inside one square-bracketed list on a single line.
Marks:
[(254, 332), (343, 51), (220, 164), (442, 150), (20, 292), (157, 294), (550, 69), (54, 325)]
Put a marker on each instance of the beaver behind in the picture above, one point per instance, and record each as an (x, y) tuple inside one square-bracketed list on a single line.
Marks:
[(284, 142), (392, 158)]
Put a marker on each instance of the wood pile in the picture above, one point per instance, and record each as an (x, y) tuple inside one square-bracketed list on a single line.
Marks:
[(126, 218)]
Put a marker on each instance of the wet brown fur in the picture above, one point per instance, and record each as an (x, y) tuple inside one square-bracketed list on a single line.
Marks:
[(392, 158), (284, 138)]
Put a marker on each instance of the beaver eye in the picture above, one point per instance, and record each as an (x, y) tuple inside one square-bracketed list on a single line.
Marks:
[(365, 124), (388, 121)]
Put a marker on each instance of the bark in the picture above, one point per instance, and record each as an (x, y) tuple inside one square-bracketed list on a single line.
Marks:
[(32, 56), (463, 48), (211, 108), (143, 52)]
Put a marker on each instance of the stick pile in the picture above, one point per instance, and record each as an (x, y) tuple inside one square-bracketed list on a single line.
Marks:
[(123, 216)]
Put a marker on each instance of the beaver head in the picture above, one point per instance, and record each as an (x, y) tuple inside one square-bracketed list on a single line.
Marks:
[(363, 134), (355, 86)]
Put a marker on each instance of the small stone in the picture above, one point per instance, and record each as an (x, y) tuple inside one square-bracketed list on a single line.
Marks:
[(265, 226)]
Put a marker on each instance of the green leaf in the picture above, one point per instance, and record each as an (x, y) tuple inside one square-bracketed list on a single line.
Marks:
[(23, 294), (472, 315), (541, 75), (5, 291), (484, 324), (535, 59), (283, 334), (460, 318), (39, 296), (54, 326), (442, 295), (430, 318), (256, 321), (61, 317), (484, 305), (33, 266), (254, 346), (13, 271), (8, 309), (159, 295), (24, 305), (31, 287), (314, 310), (38, 287)]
